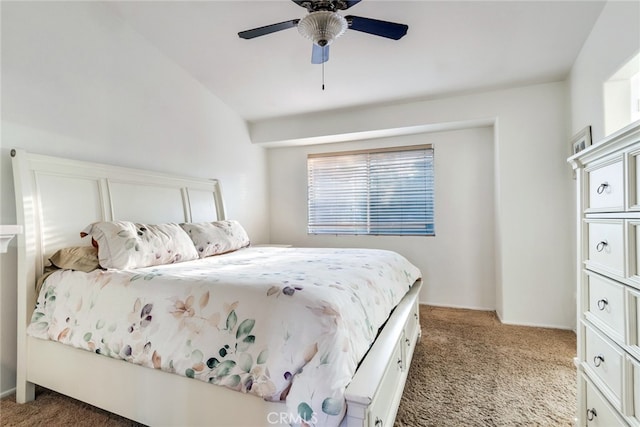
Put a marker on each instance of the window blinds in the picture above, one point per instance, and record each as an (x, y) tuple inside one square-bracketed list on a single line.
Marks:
[(381, 192)]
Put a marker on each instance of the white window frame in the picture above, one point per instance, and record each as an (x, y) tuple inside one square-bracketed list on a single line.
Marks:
[(371, 192)]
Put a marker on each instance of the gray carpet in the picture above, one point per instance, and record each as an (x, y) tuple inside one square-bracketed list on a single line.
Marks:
[(468, 370)]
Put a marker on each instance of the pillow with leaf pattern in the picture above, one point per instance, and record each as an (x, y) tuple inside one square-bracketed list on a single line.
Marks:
[(125, 245), (218, 237)]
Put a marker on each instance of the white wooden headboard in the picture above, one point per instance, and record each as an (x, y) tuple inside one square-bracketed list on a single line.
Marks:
[(56, 198)]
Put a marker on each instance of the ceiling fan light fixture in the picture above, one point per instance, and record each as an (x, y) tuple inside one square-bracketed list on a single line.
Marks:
[(322, 27)]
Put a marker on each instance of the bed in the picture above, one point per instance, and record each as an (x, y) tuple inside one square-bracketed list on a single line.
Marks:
[(359, 385)]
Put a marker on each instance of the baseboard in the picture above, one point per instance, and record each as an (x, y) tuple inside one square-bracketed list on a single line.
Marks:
[(533, 325), (7, 393), (539, 325), (458, 306)]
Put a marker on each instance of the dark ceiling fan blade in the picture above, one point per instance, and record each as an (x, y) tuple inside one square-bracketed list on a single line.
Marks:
[(390, 30), (268, 29), (319, 54)]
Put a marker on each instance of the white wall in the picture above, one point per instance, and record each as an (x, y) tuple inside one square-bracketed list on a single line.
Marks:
[(614, 40), (464, 214), (533, 188), (78, 82)]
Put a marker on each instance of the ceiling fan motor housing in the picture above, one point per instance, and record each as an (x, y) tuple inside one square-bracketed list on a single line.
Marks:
[(322, 27), (330, 5)]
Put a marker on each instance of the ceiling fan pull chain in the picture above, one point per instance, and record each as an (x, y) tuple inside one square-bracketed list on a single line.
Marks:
[(323, 73)]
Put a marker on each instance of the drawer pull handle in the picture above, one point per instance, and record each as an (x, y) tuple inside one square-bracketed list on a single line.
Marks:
[(600, 246), (400, 363), (602, 303), (598, 360), (408, 342), (378, 422), (602, 187), (591, 414)]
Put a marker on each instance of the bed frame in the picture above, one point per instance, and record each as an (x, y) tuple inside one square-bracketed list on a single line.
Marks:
[(55, 199)]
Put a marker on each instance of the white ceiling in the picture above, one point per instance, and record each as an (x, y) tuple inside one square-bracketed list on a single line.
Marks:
[(451, 47)]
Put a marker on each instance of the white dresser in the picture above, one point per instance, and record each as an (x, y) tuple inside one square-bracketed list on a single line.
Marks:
[(608, 294)]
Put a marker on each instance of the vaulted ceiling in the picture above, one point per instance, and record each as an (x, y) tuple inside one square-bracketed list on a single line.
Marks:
[(452, 47)]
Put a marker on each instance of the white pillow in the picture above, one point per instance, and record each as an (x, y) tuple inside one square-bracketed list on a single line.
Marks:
[(124, 244), (218, 237)]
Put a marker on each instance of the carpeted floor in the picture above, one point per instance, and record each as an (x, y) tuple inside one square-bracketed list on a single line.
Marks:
[(471, 370), (468, 370)]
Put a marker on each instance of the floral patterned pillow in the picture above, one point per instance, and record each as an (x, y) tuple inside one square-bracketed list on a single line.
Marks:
[(124, 244), (218, 237)]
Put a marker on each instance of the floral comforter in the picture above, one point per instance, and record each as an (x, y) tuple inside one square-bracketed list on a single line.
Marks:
[(280, 323)]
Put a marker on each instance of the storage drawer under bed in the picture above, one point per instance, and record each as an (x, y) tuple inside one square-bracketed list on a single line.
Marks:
[(382, 410)]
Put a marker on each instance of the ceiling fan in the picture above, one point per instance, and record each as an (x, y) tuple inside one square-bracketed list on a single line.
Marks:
[(323, 24)]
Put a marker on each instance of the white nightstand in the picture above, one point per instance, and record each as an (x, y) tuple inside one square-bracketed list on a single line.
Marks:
[(6, 234)]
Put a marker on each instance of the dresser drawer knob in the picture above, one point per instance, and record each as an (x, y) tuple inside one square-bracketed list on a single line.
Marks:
[(408, 342), (598, 360), (600, 246), (378, 422), (602, 303), (591, 414), (602, 187)]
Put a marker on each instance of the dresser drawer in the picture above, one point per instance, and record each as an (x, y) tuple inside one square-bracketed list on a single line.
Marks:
[(633, 251), (605, 246), (633, 389), (606, 306), (598, 412), (605, 360), (633, 341), (633, 203), (606, 187)]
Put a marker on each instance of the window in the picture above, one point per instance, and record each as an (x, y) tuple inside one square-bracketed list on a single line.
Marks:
[(377, 192), (622, 96)]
